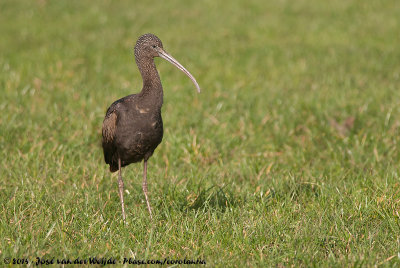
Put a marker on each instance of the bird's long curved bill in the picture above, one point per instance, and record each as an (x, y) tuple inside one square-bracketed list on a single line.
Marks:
[(169, 58)]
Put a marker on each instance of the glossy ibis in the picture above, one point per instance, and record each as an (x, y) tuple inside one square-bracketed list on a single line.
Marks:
[(132, 127)]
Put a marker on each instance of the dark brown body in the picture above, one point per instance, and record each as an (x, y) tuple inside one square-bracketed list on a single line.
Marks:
[(133, 127), (136, 128)]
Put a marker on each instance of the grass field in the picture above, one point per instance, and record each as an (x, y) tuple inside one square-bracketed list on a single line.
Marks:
[(288, 157)]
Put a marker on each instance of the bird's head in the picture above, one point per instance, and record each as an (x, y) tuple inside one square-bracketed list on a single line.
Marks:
[(149, 45)]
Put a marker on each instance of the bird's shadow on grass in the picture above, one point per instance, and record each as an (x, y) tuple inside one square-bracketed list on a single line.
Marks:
[(214, 198)]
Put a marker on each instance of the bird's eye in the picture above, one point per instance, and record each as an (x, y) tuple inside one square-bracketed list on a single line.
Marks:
[(154, 46)]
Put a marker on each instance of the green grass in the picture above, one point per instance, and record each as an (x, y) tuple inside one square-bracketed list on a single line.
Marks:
[(261, 168)]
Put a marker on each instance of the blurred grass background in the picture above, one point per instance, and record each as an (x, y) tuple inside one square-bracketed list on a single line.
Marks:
[(289, 156)]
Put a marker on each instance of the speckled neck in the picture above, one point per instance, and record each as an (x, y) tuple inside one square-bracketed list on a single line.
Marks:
[(152, 89)]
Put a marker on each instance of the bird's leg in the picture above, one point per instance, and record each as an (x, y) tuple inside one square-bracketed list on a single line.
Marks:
[(144, 186), (121, 189)]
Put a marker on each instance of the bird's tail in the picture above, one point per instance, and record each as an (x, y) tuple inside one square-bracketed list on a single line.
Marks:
[(113, 168)]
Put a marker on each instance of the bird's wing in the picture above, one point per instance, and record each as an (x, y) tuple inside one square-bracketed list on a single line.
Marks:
[(110, 122), (109, 131), (109, 127)]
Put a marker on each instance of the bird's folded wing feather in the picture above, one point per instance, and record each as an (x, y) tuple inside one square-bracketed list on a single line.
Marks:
[(109, 127)]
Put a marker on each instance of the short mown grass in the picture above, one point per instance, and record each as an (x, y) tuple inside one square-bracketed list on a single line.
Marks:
[(288, 157)]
